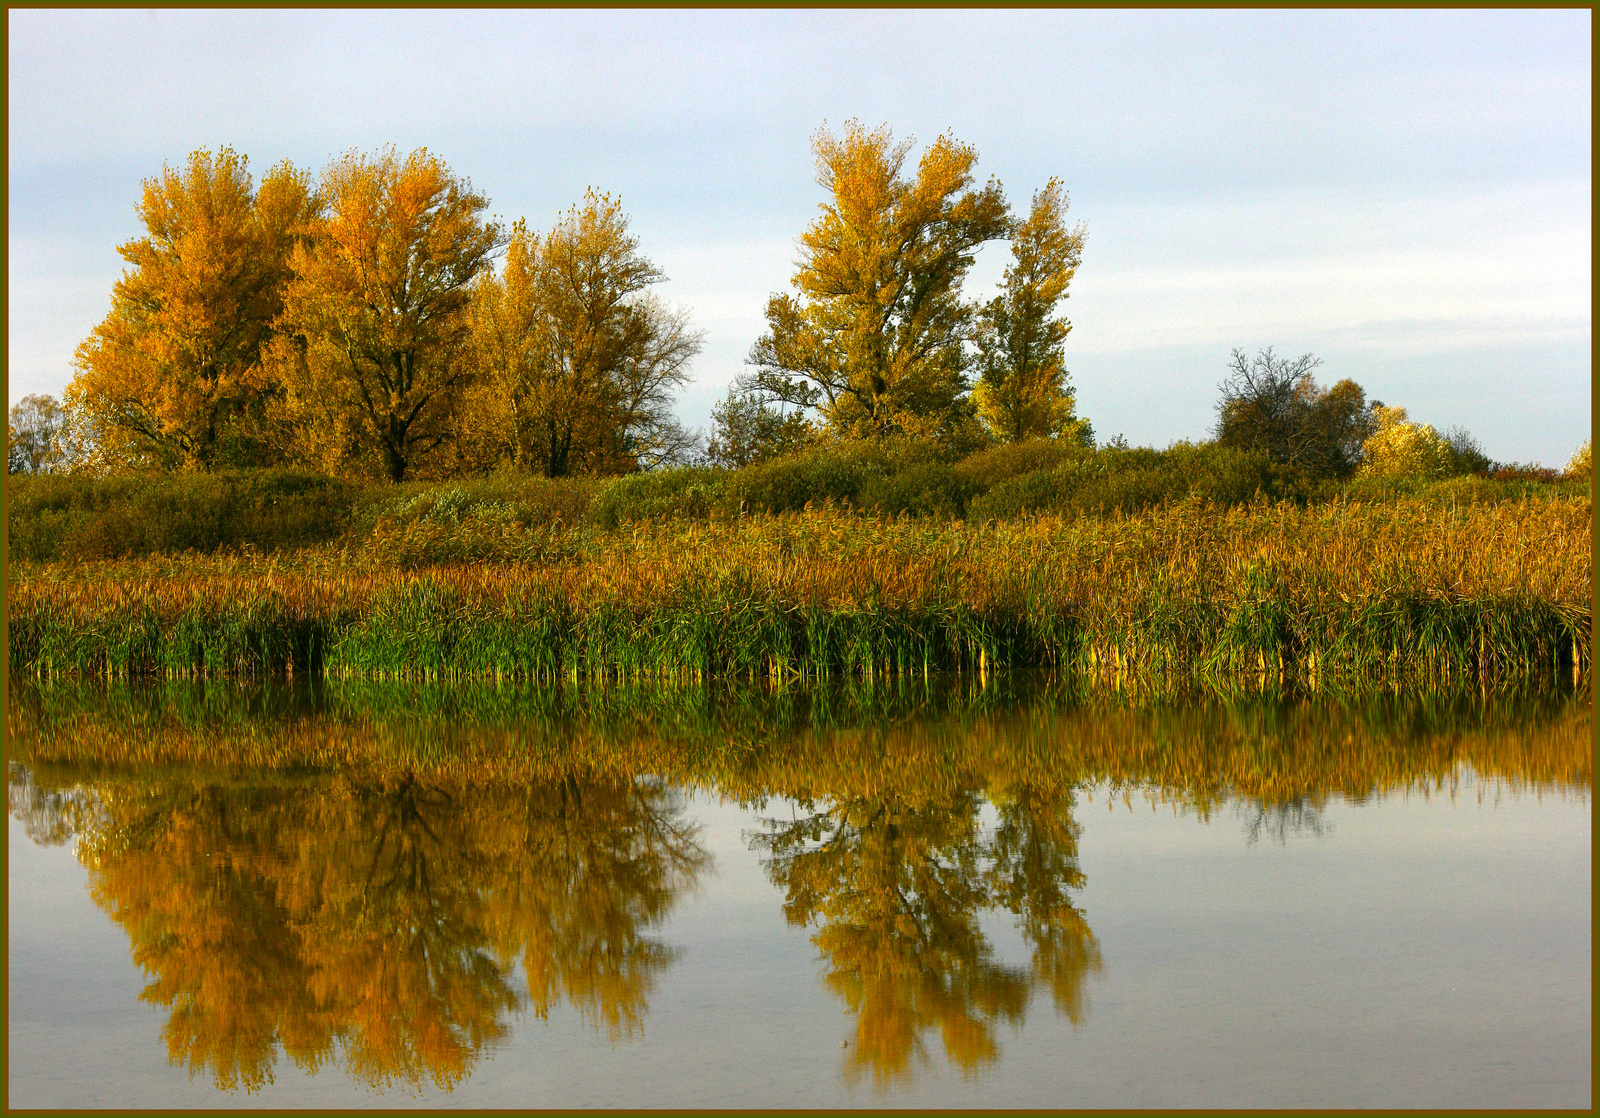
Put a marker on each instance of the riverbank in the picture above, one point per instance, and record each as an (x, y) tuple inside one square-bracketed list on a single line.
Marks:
[(1404, 591)]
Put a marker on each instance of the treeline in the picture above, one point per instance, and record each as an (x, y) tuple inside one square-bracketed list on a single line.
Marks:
[(371, 323)]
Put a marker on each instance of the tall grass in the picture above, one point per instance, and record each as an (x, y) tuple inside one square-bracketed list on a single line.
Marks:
[(1402, 591)]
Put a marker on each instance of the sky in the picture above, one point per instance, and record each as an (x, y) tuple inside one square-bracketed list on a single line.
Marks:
[(1405, 195)]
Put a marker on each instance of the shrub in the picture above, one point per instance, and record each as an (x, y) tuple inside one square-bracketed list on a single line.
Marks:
[(989, 468), (1581, 466), (685, 493), (1400, 448), (833, 472), (502, 497), (79, 517), (931, 489)]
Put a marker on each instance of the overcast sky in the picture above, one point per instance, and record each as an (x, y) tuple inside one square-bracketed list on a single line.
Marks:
[(1404, 194)]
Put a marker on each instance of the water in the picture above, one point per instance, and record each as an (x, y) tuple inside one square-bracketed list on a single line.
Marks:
[(947, 894)]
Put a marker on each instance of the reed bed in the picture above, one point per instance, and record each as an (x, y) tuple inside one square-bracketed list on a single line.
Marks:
[(1323, 595)]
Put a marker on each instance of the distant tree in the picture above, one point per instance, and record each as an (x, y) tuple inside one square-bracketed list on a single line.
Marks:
[(34, 431), (577, 363), (1581, 465), (374, 326), (1400, 448), (747, 430), (172, 378), (1275, 406), (1466, 454), (874, 335), (1022, 391)]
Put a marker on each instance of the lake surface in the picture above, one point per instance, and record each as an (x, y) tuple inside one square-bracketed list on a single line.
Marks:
[(948, 893)]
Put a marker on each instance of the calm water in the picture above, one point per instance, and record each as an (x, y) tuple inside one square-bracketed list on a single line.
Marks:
[(939, 895)]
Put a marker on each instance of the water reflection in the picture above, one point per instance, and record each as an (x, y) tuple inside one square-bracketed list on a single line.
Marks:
[(384, 876), (896, 885), (380, 918)]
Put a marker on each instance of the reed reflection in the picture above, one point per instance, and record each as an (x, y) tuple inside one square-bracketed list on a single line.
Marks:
[(379, 921), (896, 885)]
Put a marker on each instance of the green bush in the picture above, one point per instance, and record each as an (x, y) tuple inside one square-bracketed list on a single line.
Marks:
[(688, 492), (1457, 490), (500, 498), (77, 517), (826, 473), (1133, 478), (931, 489), (989, 468)]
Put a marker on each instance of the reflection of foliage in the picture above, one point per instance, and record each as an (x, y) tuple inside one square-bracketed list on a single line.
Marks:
[(381, 917), (49, 816), (1280, 820), (896, 885)]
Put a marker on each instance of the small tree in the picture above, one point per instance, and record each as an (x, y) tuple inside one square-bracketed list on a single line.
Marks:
[(1581, 465), (1022, 390), (1274, 405), (577, 364), (1400, 448), (747, 430), (34, 433)]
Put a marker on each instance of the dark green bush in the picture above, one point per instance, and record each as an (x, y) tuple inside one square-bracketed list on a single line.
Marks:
[(499, 498), (931, 489), (1133, 478), (989, 468), (688, 492), (77, 517), (825, 473)]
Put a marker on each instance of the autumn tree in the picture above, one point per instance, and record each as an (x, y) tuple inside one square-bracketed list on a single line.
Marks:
[(172, 378), (1022, 391), (874, 335), (578, 362), (1274, 405), (372, 348)]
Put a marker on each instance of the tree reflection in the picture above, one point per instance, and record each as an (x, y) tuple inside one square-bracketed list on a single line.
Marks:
[(382, 919), (896, 887)]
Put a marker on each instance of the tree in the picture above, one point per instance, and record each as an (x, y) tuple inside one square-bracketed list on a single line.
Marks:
[(1274, 405), (578, 363), (34, 431), (874, 337), (1022, 391), (374, 325), (1400, 448), (172, 377), (747, 430)]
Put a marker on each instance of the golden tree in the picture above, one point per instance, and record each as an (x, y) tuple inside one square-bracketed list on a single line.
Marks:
[(373, 332), (1022, 391), (578, 363), (172, 377), (874, 338)]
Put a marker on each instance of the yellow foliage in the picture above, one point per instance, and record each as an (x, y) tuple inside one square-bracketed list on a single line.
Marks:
[(373, 331), (874, 338), (172, 378), (1581, 465), (1399, 448)]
